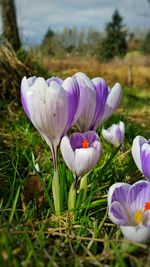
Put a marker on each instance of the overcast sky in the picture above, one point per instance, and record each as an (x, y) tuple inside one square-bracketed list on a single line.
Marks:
[(36, 16)]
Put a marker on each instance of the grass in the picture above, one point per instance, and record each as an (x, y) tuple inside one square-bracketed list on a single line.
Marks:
[(30, 233)]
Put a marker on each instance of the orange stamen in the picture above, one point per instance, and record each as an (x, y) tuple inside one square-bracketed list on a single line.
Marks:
[(147, 206), (85, 143)]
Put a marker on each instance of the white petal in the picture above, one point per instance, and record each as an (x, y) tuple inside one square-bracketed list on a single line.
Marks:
[(67, 153), (24, 85), (136, 233), (118, 214), (107, 135), (136, 150), (112, 102), (85, 119), (48, 107), (86, 159), (122, 128), (80, 76), (116, 135)]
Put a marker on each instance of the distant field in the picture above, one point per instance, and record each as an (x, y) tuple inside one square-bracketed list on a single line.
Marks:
[(133, 70)]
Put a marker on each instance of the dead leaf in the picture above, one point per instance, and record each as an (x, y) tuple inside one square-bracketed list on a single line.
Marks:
[(33, 190)]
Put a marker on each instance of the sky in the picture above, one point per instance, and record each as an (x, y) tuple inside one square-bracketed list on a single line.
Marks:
[(35, 16)]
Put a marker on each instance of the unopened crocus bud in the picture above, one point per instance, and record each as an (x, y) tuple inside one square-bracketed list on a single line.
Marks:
[(115, 133)]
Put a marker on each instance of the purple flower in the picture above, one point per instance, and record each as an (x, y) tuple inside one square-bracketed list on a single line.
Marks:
[(101, 102), (115, 133), (129, 207), (81, 151), (52, 106), (141, 155)]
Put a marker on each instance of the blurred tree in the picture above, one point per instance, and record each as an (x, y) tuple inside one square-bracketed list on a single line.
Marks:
[(145, 45), (48, 42), (114, 43), (93, 42), (81, 42), (9, 19)]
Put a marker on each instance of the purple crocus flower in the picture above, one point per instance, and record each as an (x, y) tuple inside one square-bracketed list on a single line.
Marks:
[(81, 152), (52, 106), (101, 102), (141, 155), (115, 133), (129, 208)]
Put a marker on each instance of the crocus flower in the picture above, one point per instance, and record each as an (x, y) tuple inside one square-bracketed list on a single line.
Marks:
[(115, 133), (129, 208), (141, 155), (52, 106), (101, 102), (80, 152)]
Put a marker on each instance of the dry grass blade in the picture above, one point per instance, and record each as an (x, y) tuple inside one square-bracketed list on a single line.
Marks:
[(11, 72)]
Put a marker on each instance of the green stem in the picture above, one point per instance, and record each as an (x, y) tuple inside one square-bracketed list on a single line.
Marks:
[(83, 185), (72, 195), (55, 182), (56, 192)]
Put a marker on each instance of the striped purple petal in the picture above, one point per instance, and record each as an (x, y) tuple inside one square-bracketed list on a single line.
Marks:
[(120, 193), (91, 136), (138, 195), (88, 96), (101, 97), (145, 160), (117, 134), (112, 102), (76, 139), (118, 214), (25, 85), (25, 104), (73, 93), (136, 150)]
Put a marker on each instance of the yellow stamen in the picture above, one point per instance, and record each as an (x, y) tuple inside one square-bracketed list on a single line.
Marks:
[(85, 143), (138, 216)]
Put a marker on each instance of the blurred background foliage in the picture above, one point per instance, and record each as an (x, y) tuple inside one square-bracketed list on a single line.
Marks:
[(116, 54)]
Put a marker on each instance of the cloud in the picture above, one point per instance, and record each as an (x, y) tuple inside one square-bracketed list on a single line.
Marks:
[(36, 16)]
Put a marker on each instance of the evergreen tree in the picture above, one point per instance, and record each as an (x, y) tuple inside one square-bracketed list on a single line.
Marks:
[(114, 43), (48, 42)]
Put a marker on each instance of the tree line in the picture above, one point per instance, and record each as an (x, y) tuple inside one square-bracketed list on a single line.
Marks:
[(115, 41)]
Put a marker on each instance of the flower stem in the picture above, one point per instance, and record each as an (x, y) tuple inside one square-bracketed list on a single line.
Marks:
[(56, 192), (83, 185), (55, 182), (72, 195)]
